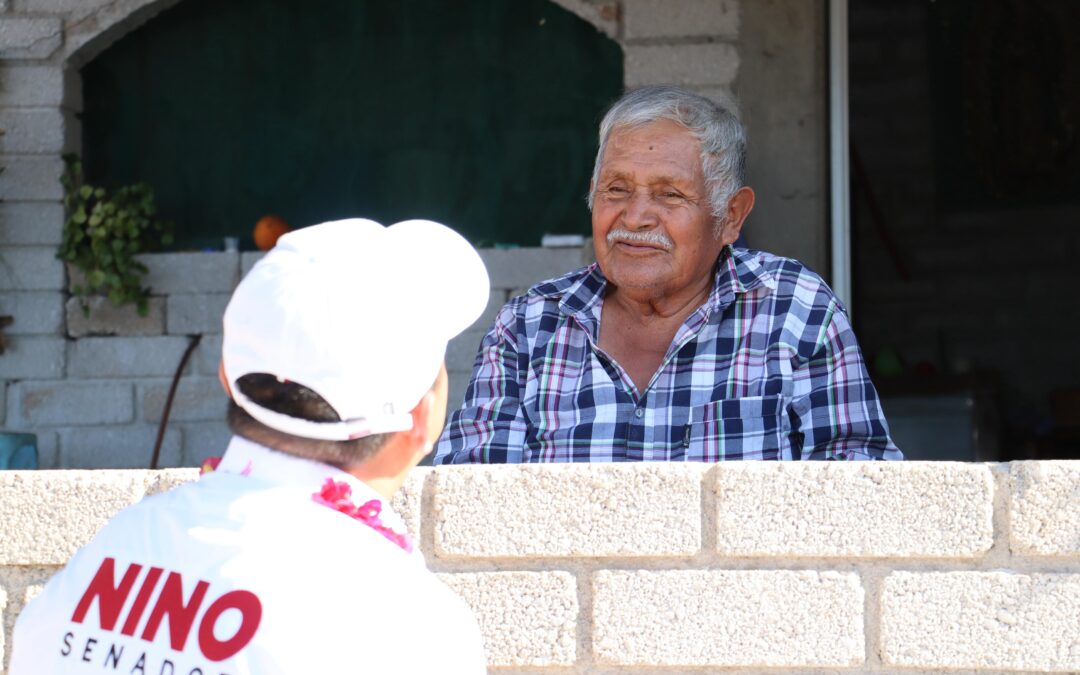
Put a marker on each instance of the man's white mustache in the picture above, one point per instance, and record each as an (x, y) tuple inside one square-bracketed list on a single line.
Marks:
[(648, 237)]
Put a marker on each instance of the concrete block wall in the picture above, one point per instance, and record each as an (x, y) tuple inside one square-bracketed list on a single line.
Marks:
[(95, 393), (668, 568), (92, 386)]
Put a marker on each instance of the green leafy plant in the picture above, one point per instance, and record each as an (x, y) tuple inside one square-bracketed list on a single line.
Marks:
[(104, 231)]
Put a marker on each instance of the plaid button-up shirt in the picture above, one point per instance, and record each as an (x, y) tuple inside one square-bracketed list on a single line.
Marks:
[(767, 368)]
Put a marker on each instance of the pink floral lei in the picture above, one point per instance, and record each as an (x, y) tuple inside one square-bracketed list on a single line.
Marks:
[(338, 496)]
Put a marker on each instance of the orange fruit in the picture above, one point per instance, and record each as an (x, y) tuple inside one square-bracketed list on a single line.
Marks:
[(267, 231)]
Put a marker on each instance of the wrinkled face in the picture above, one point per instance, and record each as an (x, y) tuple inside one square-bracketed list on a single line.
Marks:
[(652, 221)]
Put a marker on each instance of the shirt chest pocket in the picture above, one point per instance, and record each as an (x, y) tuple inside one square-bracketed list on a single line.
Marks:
[(738, 428)]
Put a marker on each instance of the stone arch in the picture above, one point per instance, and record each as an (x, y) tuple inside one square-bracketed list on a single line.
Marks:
[(92, 27), (516, 114)]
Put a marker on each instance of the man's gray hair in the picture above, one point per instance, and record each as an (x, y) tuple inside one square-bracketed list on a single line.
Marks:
[(717, 129)]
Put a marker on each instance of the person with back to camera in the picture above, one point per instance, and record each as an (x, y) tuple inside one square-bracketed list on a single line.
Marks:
[(288, 558), (674, 345)]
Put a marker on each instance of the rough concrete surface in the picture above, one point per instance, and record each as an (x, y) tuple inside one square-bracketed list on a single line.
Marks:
[(865, 509), (568, 510), (699, 64), (33, 357), (47, 515), (680, 18), (70, 403), (125, 356), (407, 502), (35, 312), (167, 479), (196, 398), (991, 620), (728, 618), (30, 268), (104, 318), (32, 177), (29, 38), (112, 447), (31, 86), (1045, 508), (32, 131), (192, 272), (20, 585), (526, 618), (29, 223)]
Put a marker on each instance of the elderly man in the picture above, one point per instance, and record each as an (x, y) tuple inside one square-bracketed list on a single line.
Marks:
[(288, 558), (673, 345)]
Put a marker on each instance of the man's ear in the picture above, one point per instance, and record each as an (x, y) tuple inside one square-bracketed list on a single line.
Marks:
[(420, 435), (739, 207)]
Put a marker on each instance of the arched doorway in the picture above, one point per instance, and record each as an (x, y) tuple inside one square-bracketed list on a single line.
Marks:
[(481, 114)]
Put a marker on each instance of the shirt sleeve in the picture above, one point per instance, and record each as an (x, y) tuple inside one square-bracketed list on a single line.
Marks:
[(490, 426), (836, 414)]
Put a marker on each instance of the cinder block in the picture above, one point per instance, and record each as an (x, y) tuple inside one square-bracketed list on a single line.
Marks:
[(604, 17), (407, 502), (207, 356), (32, 178), (30, 268), (31, 86), (126, 447), (722, 95), (47, 515), (779, 618), (700, 64), (1044, 512), (20, 584), (461, 352), (3, 622), (105, 318), (63, 402), (248, 260), (528, 619), (29, 38), (23, 223), (458, 384), (61, 6), (35, 131), (990, 621), (106, 357), (48, 447), (680, 18), (203, 439), (859, 509), (524, 267), (191, 313), (496, 300), (35, 312), (196, 399), (191, 272), (618, 510), (32, 357)]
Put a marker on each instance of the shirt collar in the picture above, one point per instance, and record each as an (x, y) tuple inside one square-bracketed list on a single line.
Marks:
[(737, 271), (265, 465)]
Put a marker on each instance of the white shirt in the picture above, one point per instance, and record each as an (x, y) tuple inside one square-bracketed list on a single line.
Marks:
[(243, 572)]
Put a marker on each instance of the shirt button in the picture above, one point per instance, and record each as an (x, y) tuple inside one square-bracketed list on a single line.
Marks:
[(638, 412)]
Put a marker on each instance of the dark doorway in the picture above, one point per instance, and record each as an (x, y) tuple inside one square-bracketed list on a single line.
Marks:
[(481, 115), (965, 136)]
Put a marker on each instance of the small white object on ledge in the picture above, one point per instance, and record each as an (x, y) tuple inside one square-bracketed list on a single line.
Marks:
[(562, 240)]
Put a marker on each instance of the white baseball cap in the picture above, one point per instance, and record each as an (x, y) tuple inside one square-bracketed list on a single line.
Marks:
[(357, 312)]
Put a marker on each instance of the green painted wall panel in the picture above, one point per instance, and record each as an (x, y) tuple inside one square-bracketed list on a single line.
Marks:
[(479, 114)]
